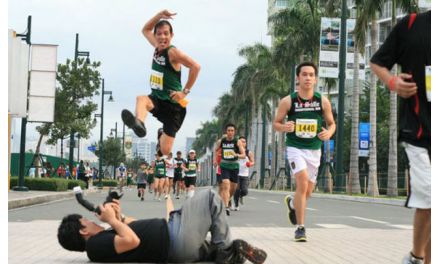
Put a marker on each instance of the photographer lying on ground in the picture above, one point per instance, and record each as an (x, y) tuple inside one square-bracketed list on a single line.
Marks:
[(180, 239)]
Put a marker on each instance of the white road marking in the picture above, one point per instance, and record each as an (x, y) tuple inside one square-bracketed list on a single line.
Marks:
[(333, 226), (311, 209), (369, 220), (408, 227), (271, 201), (251, 197)]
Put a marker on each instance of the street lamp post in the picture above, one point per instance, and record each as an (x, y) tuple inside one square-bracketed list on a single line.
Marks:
[(101, 145), (21, 186), (72, 133), (123, 138), (116, 137)]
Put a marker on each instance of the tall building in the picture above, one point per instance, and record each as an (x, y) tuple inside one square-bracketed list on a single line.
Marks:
[(189, 143), (139, 146), (151, 151)]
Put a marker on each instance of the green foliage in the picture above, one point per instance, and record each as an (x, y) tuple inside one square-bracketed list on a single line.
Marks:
[(74, 183), (43, 184), (207, 135), (78, 83), (383, 127), (108, 183), (112, 152)]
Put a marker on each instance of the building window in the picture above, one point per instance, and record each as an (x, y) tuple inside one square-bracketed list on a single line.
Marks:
[(281, 3)]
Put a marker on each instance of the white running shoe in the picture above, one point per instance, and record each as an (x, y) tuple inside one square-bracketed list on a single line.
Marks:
[(409, 259)]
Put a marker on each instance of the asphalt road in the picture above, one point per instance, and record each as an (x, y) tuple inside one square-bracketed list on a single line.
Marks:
[(261, 209)]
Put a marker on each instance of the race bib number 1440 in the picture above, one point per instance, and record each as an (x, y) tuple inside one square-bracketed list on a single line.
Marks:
[(306, 128)]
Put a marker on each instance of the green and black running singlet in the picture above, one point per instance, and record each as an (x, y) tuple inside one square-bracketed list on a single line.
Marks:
[(307, 115), (159, 168), (178, 163), (164, 78), (229, 161), (191, 165)]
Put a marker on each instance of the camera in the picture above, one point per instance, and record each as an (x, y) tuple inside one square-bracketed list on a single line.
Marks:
[(90, 206)]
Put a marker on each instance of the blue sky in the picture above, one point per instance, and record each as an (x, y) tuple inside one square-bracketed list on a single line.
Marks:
[(211, 32)]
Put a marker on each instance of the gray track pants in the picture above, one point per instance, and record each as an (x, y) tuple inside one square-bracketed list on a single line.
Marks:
[(188, 227)]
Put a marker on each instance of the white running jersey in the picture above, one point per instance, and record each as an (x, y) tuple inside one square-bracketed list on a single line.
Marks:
[(244, 170), (170, 168)]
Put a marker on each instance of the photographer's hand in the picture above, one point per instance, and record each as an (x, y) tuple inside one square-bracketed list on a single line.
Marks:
[(117, 208), (108, 214)]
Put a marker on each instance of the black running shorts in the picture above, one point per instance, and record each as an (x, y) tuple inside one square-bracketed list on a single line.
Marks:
[(228, 174), (141, 185), (190, 181), (169, 114), (178, 176)]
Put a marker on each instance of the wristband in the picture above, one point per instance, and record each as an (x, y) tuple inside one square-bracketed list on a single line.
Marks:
[(392, 83), (122, 218)]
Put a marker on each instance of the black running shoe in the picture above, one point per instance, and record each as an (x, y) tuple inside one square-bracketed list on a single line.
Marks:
[(300, 234), (132, 122), (290, 211), (251, 253), (228, 211)]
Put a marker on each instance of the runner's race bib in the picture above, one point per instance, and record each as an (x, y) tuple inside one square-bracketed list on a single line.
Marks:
[(156, 80), (428, 82), (161, 171), (228, 154), (306, 128), (192, 166)]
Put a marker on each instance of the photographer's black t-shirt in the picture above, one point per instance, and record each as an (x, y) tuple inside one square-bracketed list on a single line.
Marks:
[(154, 237)]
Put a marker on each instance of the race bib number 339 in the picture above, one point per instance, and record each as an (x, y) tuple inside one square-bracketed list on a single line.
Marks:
[(306, 128), (156, 80)]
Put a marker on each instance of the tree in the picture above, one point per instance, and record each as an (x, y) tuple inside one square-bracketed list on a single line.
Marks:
[(77, 83), (207, 135), (112, 153)]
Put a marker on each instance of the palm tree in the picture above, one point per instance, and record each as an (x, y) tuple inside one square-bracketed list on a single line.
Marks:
[(360, 32), (370, 10)]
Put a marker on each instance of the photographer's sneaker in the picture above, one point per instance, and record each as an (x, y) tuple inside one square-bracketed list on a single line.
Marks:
[(238, 252), (410, 259), (290, 211), (135, 124), (300, 234)]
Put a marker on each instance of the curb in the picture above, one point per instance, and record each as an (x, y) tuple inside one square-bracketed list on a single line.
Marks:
[(386, 201), (17, 203), (40, 199)]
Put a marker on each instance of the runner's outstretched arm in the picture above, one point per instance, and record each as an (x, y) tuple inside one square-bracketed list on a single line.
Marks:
[(148, 28)]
